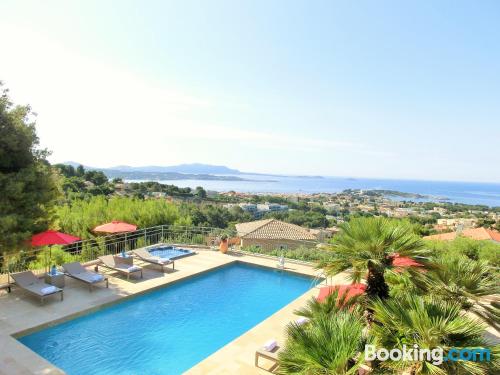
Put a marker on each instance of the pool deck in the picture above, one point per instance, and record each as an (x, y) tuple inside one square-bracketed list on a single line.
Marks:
[(23, 313)]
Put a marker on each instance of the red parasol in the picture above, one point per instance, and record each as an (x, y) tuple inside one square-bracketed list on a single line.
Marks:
[(399, 261), (350, 290), (52, 237), (404, 262), (115, 227)]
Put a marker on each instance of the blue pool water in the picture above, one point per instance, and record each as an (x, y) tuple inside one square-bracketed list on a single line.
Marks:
[(169, 330), (169, 252)]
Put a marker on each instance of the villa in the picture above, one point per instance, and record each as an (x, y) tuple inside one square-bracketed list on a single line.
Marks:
[(272, 234), (160, 303), (176, 316)]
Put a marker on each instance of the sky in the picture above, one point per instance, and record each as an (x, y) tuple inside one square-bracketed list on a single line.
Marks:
[(382, 89)]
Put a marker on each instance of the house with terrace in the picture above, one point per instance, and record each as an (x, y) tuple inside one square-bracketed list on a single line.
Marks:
[(274, 234)]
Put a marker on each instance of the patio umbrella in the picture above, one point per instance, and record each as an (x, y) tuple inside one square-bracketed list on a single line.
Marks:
[(350, 290), (403, 262), (115, 227), (52, 237), (399, 261)]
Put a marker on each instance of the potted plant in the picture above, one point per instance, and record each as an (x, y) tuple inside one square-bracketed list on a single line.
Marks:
[(223, 244)]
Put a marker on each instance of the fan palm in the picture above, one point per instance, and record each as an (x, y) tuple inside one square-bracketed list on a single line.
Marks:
[(328, 345), (403, 283), (368, 246), (468, 282), (429, 323)]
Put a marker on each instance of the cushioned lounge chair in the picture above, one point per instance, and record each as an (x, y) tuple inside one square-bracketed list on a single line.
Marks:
[(146, 256), (80, 273), (29, 282), (113, 262)]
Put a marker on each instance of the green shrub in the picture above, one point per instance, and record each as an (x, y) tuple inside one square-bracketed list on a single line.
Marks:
[(81, 216), (473, 249), (300, 253), (49, 256)]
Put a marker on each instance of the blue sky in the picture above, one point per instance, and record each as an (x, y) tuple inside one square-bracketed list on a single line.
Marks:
[(384, 89)]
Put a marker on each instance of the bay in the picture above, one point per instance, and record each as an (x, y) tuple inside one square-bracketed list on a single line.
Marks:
[(461, 192)]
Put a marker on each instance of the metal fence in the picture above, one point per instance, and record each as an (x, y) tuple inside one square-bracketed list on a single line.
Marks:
[(39, 260)]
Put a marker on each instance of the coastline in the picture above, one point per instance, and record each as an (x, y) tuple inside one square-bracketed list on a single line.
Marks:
[(485, 194)]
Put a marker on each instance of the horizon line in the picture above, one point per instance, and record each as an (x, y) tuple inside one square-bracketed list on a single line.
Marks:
[(278, 174)]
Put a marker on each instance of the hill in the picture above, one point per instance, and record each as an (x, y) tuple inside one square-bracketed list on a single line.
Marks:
[(193, 168)]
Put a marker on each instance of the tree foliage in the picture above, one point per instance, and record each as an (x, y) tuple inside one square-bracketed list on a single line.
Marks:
[(473, 249), (210, 215), (367, 246), (78, 183), (429, 323), (309, 218), (326, 345), (28, 186), (79, 217), (467, 282)]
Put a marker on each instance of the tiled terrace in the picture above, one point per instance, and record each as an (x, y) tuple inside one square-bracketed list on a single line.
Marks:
[(20, 312)]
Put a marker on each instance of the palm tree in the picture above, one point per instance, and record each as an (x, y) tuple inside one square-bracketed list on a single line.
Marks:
[(331, 305), (430, 323), (327, 345), (468, 282), (368, 246)]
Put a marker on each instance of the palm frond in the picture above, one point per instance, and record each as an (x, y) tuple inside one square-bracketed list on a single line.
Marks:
[(428, 322), (468, 282), (328, 345), (368, 245)]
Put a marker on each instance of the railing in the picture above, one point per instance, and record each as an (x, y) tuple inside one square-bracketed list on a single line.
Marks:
[(39, 260)]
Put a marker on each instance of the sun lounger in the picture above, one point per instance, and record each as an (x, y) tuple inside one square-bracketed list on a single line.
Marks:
[(270, 352), (80, 273), (114, 263), (146, 256), (29, 282)]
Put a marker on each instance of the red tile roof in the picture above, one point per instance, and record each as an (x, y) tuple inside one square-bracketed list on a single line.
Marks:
[(273, 229), (474, 233)]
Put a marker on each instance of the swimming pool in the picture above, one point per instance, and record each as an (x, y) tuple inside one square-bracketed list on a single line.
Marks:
[(169, 330), (169, 252)]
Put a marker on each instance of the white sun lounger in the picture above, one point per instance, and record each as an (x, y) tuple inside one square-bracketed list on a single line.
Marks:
[(112, 262), (80, 273), (29, 282), (146, 256)]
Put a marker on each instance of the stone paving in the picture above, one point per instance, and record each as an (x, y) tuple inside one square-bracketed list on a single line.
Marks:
[(22, 313)]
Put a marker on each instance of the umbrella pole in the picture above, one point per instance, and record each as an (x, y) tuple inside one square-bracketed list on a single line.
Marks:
[(50, 259)]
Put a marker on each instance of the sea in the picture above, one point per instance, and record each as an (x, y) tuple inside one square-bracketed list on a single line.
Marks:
[(487, 194)]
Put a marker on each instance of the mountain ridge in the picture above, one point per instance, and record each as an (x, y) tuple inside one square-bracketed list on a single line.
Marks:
[(187, 168)]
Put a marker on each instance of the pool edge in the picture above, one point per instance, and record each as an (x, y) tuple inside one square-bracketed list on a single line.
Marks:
[(120, 299)]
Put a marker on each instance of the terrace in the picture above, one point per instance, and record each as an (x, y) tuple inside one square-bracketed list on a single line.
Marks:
[(21, 314)]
